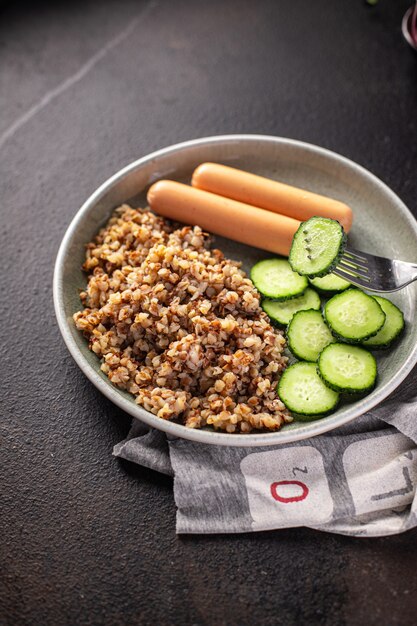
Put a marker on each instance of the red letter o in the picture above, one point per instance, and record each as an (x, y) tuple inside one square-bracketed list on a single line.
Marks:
[(276, 496)]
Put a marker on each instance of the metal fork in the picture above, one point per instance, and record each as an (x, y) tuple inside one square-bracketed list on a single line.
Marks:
[(375, 273)]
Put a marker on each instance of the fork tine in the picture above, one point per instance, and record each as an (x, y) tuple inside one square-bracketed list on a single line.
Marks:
[(375, 273), (356, 254), (359, 270), (353, 263), (352, 278), (365, 256)]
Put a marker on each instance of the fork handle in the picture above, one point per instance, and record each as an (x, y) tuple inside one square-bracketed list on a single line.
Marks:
[(405, 273)]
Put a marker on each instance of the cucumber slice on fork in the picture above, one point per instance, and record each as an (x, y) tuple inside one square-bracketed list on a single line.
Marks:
[(317, 247)]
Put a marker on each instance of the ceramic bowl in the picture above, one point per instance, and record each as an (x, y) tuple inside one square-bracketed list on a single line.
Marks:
[(383, 225), (406, 28)]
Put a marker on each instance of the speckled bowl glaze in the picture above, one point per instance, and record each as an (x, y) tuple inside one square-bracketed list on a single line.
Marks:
[(383, 225)]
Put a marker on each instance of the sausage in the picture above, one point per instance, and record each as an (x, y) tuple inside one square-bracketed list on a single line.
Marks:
[(222, 216), (269, 194)]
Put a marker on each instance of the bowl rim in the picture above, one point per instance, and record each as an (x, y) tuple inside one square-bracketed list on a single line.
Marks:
[(405, 28), (308, 429)]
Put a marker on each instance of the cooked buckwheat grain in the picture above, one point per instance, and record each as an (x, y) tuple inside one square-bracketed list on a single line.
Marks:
[(180, 327)]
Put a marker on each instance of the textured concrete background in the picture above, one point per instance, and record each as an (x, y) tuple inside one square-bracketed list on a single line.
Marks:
[(86, 87)]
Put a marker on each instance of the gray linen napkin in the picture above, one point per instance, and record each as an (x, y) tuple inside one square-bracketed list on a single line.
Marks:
[(357, 480)]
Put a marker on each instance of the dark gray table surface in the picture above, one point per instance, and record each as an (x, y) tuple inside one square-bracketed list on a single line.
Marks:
[(85, 88)]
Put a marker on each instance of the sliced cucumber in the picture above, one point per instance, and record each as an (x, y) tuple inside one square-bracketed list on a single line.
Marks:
[(330, 283), (302, 391), (317, 246), (353, 315), (275, 279), (347, 368), (308, 335), (394, 324), (282, 312)]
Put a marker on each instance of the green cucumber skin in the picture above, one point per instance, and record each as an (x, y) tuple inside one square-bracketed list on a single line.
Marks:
[(397, 335), (353, 342), (291, 347), (280, 298), (340, 337), (281, 324), (303, 417), (384, 346), (288, 337), (328, 269), (308, 416), (272, 295), (275, 322), (329, 292), (348, 390)]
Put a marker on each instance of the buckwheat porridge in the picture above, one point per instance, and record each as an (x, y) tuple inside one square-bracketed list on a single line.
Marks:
[(180, 326)]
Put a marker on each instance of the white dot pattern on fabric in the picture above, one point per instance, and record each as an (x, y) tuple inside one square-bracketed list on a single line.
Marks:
[(381, 472), (287, 487)]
